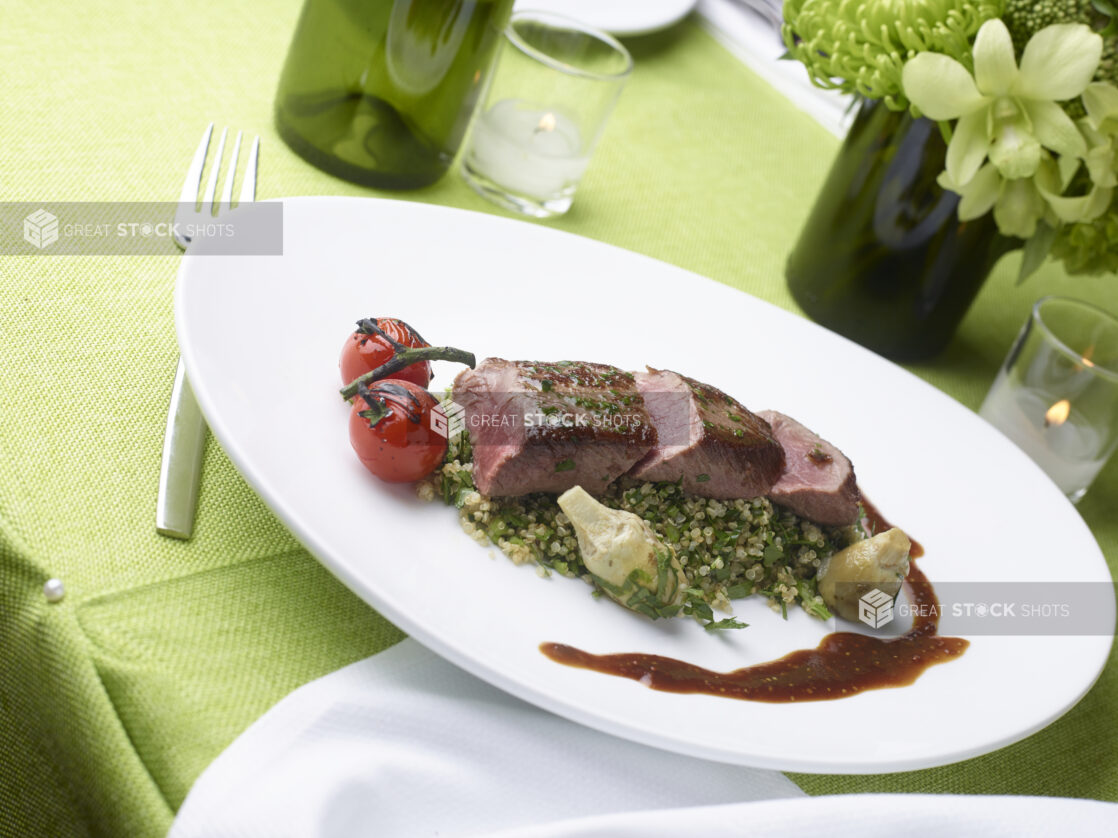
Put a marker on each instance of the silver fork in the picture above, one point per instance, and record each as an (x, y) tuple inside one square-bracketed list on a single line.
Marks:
[(185, 437)]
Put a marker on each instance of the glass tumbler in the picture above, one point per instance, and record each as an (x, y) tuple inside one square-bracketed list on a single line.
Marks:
[(1056, 395), (543, 112)]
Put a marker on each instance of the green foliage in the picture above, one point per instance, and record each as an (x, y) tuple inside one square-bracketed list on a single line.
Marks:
[(1089, 247)]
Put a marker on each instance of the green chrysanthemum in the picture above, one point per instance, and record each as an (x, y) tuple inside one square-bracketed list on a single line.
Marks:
[(860, 46)]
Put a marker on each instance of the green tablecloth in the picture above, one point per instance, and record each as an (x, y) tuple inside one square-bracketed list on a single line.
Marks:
[(114, 700)]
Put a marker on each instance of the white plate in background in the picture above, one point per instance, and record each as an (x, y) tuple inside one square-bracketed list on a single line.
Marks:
[(618, 17)]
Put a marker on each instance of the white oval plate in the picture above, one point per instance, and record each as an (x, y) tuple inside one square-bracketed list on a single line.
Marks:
[(618, 17), (261, 337)]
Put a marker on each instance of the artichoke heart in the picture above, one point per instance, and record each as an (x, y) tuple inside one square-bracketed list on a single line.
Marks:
[(624, 556), (879, 562)]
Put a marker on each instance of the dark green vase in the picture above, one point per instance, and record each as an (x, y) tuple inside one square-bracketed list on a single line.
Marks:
[(883, 258), (380, 92)]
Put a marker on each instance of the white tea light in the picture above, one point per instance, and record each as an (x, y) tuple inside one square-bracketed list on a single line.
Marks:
[(530, 151), (1058, 438), (1056, 395), (542, 112)]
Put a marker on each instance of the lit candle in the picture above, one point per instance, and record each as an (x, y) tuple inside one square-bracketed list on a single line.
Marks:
[(1050, 430), (533, 152)]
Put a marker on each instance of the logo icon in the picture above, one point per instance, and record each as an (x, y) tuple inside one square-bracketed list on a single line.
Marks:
[(875, 608), (40, 228), (448, 418)]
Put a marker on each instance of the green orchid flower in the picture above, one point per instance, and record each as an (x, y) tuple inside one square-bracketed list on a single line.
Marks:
[(1100, 100), (1100, 128), (1052, 181), (1100, 158), (1007, 112), (1020, 204)]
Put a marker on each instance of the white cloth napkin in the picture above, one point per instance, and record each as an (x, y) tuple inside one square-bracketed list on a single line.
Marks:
[(864, 815), (405, 744)]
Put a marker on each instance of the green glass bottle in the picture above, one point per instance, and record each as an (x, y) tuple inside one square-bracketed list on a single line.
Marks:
[(380, 92), (883, 258)]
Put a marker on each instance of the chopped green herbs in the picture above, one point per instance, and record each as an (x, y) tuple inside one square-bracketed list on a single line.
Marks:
[(739, 590), (818, 456), (727, 623), (636, 592), (728, 549)]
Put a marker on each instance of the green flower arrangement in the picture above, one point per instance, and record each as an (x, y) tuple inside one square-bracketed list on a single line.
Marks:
[(1024, 93)]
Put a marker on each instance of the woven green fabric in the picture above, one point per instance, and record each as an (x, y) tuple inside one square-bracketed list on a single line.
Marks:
[(114, 700)]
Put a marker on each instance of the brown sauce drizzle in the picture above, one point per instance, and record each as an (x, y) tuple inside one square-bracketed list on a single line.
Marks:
[(843, 664)]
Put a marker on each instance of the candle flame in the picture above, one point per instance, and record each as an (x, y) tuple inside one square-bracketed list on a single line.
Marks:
[(546, 123), (1058, 413), (1086, 358)]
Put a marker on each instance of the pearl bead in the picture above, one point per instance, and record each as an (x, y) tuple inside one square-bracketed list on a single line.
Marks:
[(54, 590)]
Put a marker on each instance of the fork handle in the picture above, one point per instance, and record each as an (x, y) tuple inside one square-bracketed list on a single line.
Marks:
[(179, 473)]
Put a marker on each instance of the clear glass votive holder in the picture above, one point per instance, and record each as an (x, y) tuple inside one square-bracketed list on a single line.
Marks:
[(544, 109), (1056, 395)]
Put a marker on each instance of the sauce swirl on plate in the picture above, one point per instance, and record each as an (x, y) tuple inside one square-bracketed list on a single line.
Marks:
[(843, 664)]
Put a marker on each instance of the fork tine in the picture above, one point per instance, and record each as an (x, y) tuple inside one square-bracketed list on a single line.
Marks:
[(211, 186), (248, 185), (191, 186), (230, 176), (193, 182)]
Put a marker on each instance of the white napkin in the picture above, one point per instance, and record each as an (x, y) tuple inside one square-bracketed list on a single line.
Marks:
[(751, 35), (864, 815), (405, 744)]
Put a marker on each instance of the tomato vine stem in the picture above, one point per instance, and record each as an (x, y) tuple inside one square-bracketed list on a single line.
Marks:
[(404, 356)]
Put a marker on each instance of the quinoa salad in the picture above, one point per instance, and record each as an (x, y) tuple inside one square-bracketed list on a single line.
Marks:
[(727, 549)]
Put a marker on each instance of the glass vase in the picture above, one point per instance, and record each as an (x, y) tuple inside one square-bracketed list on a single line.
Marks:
[(380, 92), (883, 258)]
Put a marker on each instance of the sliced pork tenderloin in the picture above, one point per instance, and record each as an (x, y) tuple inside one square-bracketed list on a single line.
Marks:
[(706, 439), (818, 482)]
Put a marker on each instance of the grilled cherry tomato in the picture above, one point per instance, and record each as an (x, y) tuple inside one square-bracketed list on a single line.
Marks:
[(364, 351), (390, 429)]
